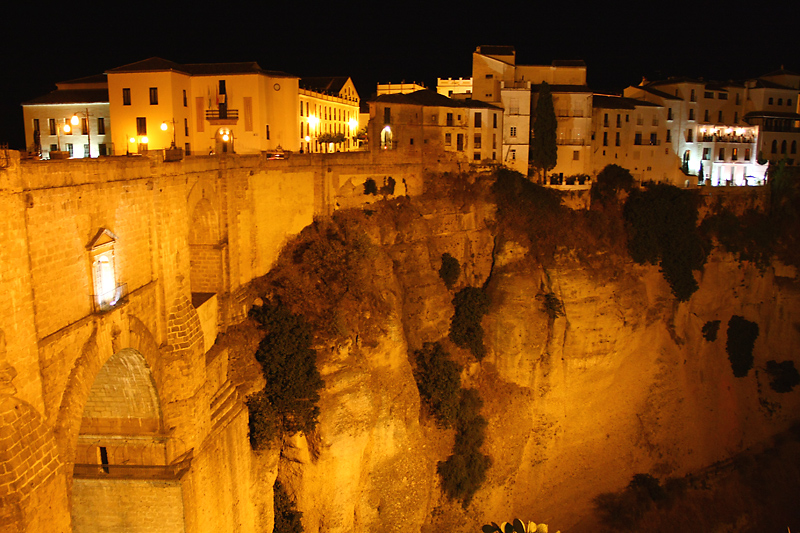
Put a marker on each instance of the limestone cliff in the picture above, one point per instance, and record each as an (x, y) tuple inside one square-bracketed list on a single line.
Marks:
[(624, 382)]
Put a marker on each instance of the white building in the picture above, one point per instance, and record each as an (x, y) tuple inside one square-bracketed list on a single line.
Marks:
[(73, 119), (329, 111), (454, 88), (772, 104)]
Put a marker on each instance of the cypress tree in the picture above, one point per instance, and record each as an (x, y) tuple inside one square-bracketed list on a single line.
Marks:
[(544, 152)]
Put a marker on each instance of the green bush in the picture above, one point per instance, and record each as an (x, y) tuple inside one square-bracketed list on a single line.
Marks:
[(288, 402), (370, 187), (551, 305), (742, 335), (662, 229), (470, 304), (784, 376), (464, 471), (751, 237), (710, 330), (287, 518), (450, 270), (438, 380), (624, 510), (610, 181)]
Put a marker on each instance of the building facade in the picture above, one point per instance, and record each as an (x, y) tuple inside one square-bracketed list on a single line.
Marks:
[(72, 121), (772, 105), (329, 114), (427, 123)]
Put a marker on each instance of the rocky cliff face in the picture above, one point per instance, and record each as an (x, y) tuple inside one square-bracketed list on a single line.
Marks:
[(624, 382)]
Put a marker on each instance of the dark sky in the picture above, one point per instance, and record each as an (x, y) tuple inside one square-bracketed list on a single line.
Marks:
[(393, 41)]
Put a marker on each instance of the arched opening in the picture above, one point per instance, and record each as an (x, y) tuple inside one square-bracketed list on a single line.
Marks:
[(122, 478), (223, 141)]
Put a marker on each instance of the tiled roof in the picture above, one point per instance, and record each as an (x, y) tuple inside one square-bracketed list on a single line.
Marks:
[(329, 85), (619, 102), (96, 79), (658, 93), (430, 98), (152, 64), (767, 84), (72, 96)]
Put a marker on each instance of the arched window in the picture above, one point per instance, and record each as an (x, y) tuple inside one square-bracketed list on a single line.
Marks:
[(783, 147), (794, 147), (774, 147), (107, 292)]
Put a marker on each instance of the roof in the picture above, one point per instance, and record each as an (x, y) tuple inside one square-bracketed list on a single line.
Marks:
[(772, 114), (563, 88), (496, 50), (157, 64), (781, 72), (329, 85), (429, 98), (767, 84), (71, 96), (96, 81), (604, 101), (656, 92)]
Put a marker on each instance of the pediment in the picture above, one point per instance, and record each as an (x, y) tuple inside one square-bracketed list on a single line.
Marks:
[(103, 238)]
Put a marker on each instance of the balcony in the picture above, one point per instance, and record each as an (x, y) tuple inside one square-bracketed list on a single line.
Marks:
[(222, 116), (570, 142), (108, 301), (742, 139), (647, 142)]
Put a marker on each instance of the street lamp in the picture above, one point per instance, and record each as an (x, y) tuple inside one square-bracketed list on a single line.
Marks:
[(164, 126), (313, 121), (75, 120)]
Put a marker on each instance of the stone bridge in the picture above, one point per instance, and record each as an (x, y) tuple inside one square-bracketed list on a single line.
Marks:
[(116, 276)]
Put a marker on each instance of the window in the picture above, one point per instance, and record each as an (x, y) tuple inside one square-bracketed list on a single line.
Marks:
[(576, 155), (605, 138), (738, 98), (616, 139), (53, 147), (448, 139), (794, 147), (85, 150), (721, 154), (84, 126), (301, 109), (723, 96), (477, 141), (69, 149), (267, 133), (774, 147), (783, 147), (101, 126), (653, 139), (706, 154), (187, 148), (605, 120), (637, 139), (478, 120), (627, 118), (669, 136), (141, 125), (185, 100), (101, 149), (669, 113), (512, 131), (494, 141), (126, 96), (619, 121), (222, 89), (708, 94), (780, 101), (747, 154), (51, 122), (770, 100), (735, 117), (494, 120), (36, 125), (692, 96), (106, 292), (689, 135), (691, 114), (387, 115), (489, 76), (706, 116), (513, 154), (735, 154), (719, 117), (186, 126), (476, 156), (789, 102)]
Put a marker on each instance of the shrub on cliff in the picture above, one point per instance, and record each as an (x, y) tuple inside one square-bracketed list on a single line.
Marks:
[(288, 402), (287, 518), (438, 380), (464, 471), (610, 181), (470, 303), (662, 229), (710, 330), (450, 270), (751, 237), (624, 510), (742, 335), (784, 376)]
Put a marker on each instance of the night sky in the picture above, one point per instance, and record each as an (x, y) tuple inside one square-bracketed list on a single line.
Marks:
[(392, 41)]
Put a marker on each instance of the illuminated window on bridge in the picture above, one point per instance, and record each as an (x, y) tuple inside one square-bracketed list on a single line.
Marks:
[(107, 292)]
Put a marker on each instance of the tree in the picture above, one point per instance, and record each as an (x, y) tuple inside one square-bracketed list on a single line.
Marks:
[(611, 180), (544, 152)]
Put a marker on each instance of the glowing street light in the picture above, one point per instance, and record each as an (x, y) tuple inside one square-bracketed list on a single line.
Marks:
[(75, 120), (165, 126)]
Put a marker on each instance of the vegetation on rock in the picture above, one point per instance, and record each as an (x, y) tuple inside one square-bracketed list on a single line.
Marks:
[(439, 382), (742, 335), (288, 402), (784, 376), (551, 305), (466, 331), (710, 330), (625, 509), (287, 518), (662, 230), (609, 182), (464, 471), (450, 270), (517, 526)]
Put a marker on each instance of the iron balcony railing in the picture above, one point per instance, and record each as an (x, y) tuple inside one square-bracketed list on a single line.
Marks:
[(222, 114), (571, 142), (647, 142), (103, 303)]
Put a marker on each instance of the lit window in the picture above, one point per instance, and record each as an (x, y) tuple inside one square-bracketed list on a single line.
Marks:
[(153, 95), (126, 96), (141, 125), (107, 293)]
